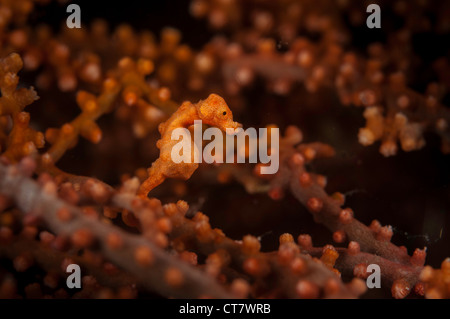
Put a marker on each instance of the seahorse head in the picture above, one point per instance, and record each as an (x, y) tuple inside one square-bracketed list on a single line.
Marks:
[(214, 111)]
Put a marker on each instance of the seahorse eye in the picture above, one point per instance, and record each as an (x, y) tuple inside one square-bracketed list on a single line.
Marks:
[(224, 113)]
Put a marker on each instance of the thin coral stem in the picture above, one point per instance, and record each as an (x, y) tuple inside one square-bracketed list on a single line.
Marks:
[(391, 271), (355, 230), (65, 140)]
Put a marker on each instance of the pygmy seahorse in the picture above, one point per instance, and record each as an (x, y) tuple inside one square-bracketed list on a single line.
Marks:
[(212, 111)]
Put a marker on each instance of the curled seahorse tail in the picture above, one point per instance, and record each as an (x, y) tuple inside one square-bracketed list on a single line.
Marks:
[(155, 177)]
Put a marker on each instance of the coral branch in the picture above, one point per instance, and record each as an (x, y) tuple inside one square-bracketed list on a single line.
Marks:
[(327, 211), (394, 274), (153, 267)]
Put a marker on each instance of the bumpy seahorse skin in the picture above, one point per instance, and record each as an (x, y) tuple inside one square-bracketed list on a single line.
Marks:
[(211, 111)]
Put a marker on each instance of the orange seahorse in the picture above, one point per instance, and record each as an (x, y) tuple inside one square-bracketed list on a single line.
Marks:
[(212, 111)]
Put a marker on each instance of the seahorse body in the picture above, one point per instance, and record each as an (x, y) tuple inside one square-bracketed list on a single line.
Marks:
[(212, 111)]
